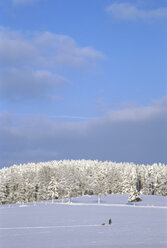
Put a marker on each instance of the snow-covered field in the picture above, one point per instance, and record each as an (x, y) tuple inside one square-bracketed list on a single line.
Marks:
[(79, 224)]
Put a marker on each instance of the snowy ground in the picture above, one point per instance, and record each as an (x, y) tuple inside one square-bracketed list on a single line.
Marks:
[(79, 224)]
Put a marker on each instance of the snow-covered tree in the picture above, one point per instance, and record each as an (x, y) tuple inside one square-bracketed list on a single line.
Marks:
[(53, 189), (134, 196)]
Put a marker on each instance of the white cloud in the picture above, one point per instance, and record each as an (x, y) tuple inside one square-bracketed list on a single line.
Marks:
[(16, 84), (14, 50), (134, 135), (137, 114), (61, 49), (43, 49), (27, 59), (127, 11)]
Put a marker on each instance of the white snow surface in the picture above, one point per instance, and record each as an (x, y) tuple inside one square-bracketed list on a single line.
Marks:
[(79, 224)]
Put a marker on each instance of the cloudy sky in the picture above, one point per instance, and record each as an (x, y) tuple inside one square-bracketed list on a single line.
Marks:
[(83, 79)]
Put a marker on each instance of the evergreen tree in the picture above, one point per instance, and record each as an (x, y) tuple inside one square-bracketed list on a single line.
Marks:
[(134, 196)]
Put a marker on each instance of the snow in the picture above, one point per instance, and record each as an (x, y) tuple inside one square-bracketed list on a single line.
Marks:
[(80, 224)]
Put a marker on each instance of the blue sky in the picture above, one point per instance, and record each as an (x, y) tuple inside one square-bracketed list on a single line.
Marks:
[(83, 79)]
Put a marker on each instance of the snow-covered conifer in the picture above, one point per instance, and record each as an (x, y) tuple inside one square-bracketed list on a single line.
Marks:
[(134, 196)]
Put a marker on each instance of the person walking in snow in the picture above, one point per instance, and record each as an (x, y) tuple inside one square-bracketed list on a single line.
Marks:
[(109, 222)]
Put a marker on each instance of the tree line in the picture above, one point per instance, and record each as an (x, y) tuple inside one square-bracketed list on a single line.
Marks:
[(69, 178)]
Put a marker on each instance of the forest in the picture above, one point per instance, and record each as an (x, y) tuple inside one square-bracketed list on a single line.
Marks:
[(70, 178)]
